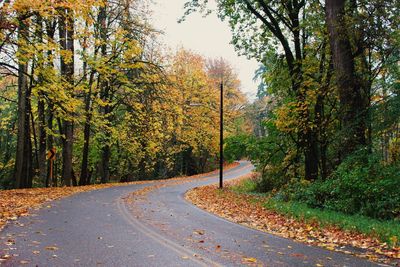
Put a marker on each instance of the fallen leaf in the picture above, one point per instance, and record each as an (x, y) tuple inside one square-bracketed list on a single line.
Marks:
[(250, 259), (299, 255), (51, 248), (199, 232)]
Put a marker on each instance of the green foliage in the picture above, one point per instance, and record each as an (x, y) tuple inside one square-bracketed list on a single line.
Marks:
[(386, 231), (360, 185), (236, 147), (7, 132), (301, 128)]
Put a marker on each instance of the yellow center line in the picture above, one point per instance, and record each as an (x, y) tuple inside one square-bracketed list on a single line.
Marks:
[(178, 249)]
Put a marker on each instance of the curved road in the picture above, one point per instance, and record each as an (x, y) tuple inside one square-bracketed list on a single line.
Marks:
[(104, 228)]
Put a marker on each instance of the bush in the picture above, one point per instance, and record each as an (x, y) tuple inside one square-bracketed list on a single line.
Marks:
[(360, 185), (236, 147)]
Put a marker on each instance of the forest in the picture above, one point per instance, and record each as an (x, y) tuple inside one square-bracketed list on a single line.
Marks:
[(90, 81), (326, 122)]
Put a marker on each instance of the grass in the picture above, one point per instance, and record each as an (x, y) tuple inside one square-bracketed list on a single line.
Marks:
[(386, 231), (245, 186)]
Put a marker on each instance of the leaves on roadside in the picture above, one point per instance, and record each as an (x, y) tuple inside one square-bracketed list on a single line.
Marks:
[(249, 210)]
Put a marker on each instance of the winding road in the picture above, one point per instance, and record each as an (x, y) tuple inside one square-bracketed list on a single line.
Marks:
[(113, 227)]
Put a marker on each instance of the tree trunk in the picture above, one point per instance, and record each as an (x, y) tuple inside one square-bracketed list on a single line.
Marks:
[(41, 108), (311, 155), (105, 96), (23, 161), (51, 178), (42, 140), (352, 106), (66, 31), (105, 161), (84, 178)]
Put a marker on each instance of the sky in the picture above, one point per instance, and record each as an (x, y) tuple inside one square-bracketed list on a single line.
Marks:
[(207, 36)]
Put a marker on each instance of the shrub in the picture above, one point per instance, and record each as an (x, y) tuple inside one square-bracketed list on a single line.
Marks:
[(236, 147), (360, 185)]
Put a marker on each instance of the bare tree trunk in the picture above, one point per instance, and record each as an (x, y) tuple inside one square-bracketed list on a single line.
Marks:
[(353, 110)]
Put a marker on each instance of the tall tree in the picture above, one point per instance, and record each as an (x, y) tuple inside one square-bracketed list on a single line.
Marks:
[(282, 22), (353, 109), (66, 32), (23, 164)]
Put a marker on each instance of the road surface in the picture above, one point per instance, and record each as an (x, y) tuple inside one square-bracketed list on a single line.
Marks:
[(105, 228)]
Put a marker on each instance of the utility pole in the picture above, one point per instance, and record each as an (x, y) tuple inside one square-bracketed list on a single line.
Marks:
[(221, 137)]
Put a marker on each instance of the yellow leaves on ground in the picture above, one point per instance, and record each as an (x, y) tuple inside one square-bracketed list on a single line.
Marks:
[(248, 210)]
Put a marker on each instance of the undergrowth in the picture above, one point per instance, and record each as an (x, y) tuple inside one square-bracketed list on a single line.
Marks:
[(385, 230)]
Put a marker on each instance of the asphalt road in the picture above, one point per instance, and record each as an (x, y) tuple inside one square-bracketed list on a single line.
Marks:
[(103, 228)]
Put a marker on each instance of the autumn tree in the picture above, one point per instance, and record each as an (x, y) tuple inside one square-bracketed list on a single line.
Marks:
[(352, 99), (313, 108), (23, 163), (264, 21), (88, 80)]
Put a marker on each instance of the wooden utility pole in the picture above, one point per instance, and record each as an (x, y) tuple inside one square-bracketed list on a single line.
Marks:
[(221, 138)]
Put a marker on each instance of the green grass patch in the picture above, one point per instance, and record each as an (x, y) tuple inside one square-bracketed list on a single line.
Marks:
[(385, 230), (245, 186)]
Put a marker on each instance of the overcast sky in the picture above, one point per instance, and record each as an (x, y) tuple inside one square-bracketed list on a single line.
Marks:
[(207, 36)]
